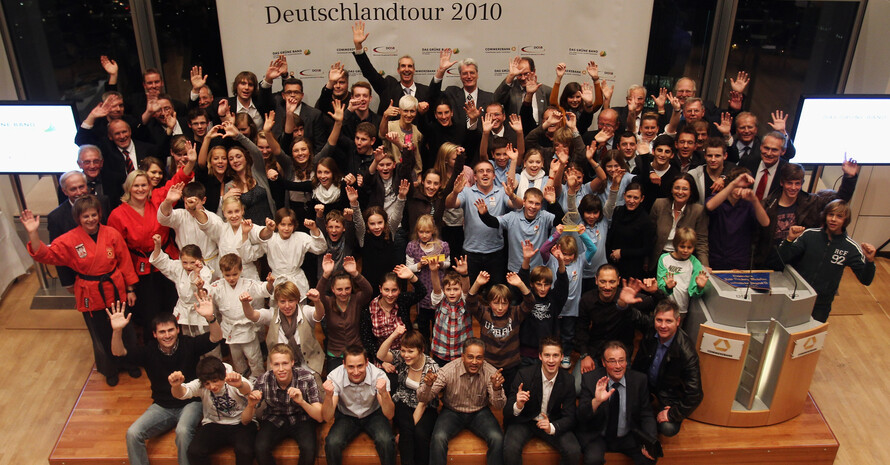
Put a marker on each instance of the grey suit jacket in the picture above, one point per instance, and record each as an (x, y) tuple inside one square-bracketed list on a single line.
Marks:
[(510, 96)]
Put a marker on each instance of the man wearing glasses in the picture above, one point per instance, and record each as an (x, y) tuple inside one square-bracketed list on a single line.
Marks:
[(614, 410)]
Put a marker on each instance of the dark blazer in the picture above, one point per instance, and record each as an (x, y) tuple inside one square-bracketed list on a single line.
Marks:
[(387, 88), (591, 425), (753, 163), (314, 127), (457, 98), (732, 152), (560, 408), (511, 96), (679, 378)]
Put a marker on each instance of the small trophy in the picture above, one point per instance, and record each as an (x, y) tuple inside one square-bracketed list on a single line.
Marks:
[(572, 218)]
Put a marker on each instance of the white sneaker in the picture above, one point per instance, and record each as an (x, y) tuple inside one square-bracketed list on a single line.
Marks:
[(566, 362)]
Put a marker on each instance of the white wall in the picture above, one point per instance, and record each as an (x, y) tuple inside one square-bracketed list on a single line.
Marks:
[(870, 74)]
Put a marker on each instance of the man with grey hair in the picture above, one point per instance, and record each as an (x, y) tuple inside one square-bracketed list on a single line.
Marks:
[(522, 84), (630, 114), (467, 96), (685, 88), (61, 220), (103, 183)]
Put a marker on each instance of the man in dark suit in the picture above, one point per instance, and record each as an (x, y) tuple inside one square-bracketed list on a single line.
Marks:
[(542, 404), (104, 184), (201, 96), (767, 166), (388, 88), (460, 97), (290, 99), (122, 146), (685, 88), (747, 141), (512, 90), (152, 86), (614, 409), (669, 359)]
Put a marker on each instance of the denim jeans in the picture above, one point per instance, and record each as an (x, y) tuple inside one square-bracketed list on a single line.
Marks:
[(347, 427), (481, 423), (158, 420), (519, 433)]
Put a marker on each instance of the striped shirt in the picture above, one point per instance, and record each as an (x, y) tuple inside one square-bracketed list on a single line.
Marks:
[(465, 392)]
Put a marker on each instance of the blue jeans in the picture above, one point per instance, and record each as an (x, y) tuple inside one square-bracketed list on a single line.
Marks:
[(158, 420), (481, 423), (346, 428)]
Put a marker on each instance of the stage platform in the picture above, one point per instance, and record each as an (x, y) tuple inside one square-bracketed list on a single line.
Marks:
[(95, 431)]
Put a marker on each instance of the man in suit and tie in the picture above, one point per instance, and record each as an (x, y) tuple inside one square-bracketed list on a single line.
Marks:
[(767, 166), (388, 88), (469, 94), (614, 404), (124, 153), (542, 404), (669, 359), (512, 90), (747, 142)]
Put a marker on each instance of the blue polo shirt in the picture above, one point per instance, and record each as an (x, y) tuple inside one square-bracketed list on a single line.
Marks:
[(519, 229), (479, 238)]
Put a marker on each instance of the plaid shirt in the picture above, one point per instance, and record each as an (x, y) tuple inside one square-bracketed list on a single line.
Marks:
[(453, 326), (280, 409), (384, 323)]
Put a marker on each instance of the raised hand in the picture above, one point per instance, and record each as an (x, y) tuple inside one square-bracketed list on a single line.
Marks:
[(675, 101), (327, 264), (254, 398), (669, 281), (602, 392), (156, 238), (515, 123), (358, 34), (352, 195), (607, 89), (487, 122), (349, 265), (328, 387), (587, 93), (445, 61), (603, 135), (513, 279), (404, 187), (335, 73), (319, 210), (593, 70), (176, 378), (725, 124), (528, 250), (740, 83), (222, 110), (630, 290), (522, 397), (702, 279), (481, 206), (269, 122), (277, 68), (309, 224), (460, 265), (735, 100), (246, 226), (560, 71), (313, 295), (472, 110), (381, 386), (231, 130), (571, 121), (271, 174), (779, 121), (850, 167), (403, 272), (483, 278), (109, 65), (550, 193), (650, 285), (349, 179), (391, 111), (400, 330), (460, 181), (661, 99), (197, 78), (234, 379), (101, 110), (116, 316), (514, 66), (245, 298), (347, 214), (531, 83), (30, 221)]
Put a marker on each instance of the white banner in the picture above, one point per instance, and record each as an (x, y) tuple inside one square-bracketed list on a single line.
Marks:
[(721, 346), (316, 33)]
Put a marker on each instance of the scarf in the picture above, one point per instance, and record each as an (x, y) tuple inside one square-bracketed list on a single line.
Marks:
[(525, 182), (290, 329), (326, 195)]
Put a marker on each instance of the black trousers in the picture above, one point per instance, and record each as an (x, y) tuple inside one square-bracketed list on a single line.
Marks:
[(303, 432), (211, 437), (414, 439)]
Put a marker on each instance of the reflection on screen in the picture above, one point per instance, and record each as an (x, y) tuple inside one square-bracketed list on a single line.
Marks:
[(828, 128), (37, 138)]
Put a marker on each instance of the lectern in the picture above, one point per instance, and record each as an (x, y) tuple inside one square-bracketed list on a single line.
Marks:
[(757, 344)]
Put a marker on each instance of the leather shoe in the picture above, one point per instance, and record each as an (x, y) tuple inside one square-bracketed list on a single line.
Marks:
[(112, 380)]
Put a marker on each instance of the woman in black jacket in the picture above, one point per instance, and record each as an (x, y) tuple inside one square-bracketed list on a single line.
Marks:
[(631, 235)]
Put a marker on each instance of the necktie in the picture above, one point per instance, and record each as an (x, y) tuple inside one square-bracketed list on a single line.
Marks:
[(745, 151), (129, 161), (471, 102), (614, 413), (761, 186), (406, 90)]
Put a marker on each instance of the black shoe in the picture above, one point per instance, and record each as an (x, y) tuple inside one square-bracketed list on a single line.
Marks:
[(134, 372), (112, 380)]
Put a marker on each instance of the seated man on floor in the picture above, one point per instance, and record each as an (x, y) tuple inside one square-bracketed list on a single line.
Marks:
[(357, 399), (542, 404), (168, 352), (614, 409), (292, 406), (470, 384), (668, 356)]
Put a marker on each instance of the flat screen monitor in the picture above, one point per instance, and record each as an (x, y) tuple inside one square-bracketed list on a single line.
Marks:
[(38, 137), (830, 126)]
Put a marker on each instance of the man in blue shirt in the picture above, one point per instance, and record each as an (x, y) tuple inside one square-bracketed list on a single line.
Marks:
[(668, 356)]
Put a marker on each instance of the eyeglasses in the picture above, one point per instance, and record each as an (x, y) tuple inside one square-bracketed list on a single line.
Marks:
[(292, 92), (616, 363)]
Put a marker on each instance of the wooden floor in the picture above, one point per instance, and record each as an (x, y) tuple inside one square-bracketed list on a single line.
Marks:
[(45, 371)]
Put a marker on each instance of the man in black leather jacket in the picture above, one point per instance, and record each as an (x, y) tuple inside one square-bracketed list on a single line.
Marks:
[(669, 359)]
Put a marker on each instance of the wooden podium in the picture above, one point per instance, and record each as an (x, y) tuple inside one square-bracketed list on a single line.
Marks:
[(757, 349)]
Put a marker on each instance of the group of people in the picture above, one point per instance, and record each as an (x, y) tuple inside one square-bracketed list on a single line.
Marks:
[(258, 217)]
